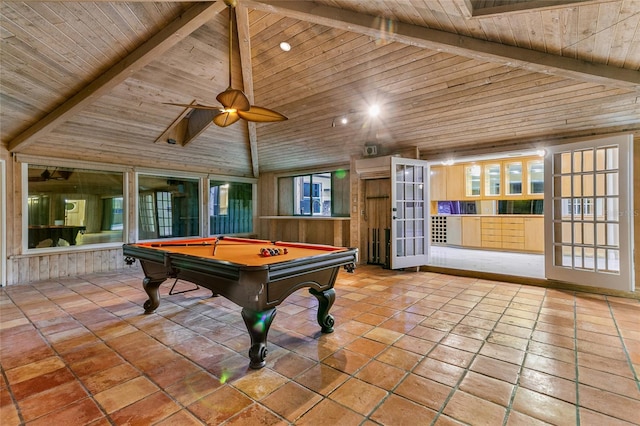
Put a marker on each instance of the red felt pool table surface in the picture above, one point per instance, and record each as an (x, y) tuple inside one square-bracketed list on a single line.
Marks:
[(242, 251)]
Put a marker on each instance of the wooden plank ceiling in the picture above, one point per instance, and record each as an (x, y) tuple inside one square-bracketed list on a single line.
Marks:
[(91, 80)]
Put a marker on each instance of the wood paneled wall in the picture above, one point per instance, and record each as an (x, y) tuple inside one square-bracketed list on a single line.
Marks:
[(24, 268), (275, 201), (31, 268)]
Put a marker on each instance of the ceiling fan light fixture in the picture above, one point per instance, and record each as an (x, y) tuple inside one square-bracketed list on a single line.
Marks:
[(235, 104)]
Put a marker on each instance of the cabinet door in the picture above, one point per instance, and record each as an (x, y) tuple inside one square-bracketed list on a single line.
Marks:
[(472, 181), (471, 236), (513, 178), (438, 183), (534, 234), (455, 182), (454, 230), (492, 180)]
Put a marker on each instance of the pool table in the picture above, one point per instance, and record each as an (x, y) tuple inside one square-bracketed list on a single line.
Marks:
[(236, 269)]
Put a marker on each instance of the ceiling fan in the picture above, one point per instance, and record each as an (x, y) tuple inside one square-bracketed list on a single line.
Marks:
[(55, 175), (235, 104)]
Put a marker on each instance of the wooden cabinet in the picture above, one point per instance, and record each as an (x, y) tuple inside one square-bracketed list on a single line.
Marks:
[(506, 179), (491, 232), (534, 234), (438, 183), (492, 179), (447, 183), (513, 233), (472, 181), (471, 231), (508, 233), (513, 177), (455, 182)]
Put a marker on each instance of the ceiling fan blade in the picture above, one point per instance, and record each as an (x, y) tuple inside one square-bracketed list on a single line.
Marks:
[(261, 115), (225, 119), (234, 99), (195, 106)]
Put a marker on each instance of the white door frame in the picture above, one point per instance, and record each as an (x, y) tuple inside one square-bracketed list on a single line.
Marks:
[(410, 214), (588, 213)]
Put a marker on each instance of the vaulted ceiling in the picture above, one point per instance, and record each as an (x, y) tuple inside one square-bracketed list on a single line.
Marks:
[(93, 80)]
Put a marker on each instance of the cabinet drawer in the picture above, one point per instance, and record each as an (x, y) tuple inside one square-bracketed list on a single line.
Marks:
[(513, 220), (513, 232), (513, 239), (491, 244), (491, 220), (513, 226), (513, 245)]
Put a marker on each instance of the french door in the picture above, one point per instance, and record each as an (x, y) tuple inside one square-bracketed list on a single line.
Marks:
[(588, 220), (409, 213)]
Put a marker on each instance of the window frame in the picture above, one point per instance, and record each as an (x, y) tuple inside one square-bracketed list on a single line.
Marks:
[(169, 174), (312, 187), (31, 160), (232, 180)]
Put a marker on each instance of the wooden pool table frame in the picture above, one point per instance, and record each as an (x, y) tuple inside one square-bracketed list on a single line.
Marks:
[(257, 289)]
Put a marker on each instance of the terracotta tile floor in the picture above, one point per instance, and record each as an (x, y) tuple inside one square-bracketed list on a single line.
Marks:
[(412, 348)]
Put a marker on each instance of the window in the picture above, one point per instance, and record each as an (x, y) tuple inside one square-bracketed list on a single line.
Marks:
[(168, 207), (230, 207), (318, 194), (69, 206), (312, 195)]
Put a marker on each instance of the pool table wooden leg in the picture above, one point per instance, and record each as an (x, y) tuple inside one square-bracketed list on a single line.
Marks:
[(258, 324), (325, 299), (151, 286)]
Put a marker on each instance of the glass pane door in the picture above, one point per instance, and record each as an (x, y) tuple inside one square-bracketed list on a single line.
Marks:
[(589, 227), (410, 215)]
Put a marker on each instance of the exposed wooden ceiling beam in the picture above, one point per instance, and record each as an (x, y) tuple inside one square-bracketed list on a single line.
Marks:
[(162, 41), (483, 50), (519, 7), (244, 41)]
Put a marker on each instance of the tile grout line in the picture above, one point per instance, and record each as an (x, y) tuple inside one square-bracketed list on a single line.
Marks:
[(624, 346), (516, 385), (466, 370)]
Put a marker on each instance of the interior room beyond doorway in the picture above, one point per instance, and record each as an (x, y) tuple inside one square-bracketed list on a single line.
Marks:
[(529, 265)]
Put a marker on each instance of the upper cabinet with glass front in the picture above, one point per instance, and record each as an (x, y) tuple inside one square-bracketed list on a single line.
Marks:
[(513, 177), (472, 179), (498, 179), (535, 177), (492, 179)]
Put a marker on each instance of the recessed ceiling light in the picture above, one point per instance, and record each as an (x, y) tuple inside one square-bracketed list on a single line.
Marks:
[(285, 46), (374, 110)]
